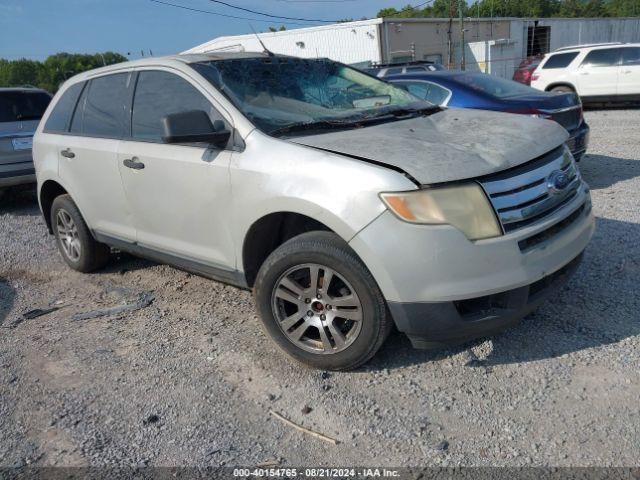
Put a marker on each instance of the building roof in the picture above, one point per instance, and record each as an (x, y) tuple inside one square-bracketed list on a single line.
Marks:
[(286, 33)]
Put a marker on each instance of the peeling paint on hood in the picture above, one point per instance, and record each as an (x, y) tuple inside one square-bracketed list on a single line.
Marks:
[(448, 145)]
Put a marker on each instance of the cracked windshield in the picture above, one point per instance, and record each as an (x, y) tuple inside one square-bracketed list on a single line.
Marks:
[(281, 95)]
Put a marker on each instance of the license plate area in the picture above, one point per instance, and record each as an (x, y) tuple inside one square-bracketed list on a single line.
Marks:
[(22, 143)]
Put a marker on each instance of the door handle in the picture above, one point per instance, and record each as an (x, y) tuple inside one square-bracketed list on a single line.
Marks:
[(625, 71), (584, 73), (133, 162), (67, 153)]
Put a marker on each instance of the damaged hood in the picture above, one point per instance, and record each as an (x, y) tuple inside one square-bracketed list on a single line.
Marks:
[(448, 145)]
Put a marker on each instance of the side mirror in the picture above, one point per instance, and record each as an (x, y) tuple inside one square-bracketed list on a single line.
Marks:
[(194, 127)]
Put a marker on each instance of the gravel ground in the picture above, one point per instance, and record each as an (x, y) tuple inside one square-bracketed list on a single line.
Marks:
[(190, 379)]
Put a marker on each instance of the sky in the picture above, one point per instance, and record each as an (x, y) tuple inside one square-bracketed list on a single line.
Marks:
[(37, 28)]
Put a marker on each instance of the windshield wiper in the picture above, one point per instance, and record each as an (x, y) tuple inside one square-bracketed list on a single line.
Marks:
[(355, 121), (302, 126), (404, 112)]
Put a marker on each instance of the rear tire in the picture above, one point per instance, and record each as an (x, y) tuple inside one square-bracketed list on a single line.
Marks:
[(341, 321), (562, 89), (77, 246)]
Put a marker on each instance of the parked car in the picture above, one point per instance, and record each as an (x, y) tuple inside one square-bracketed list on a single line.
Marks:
[(456, 89), (525, 69), (344, 202), (385, 69), (600, 73), (20, 111)]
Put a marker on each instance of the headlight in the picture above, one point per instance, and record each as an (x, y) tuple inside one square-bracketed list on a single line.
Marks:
[(465, 207)]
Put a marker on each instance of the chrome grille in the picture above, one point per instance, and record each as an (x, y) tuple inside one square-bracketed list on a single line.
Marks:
[(522, 196)]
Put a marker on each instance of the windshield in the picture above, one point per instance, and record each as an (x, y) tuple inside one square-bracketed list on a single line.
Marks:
[(276, 93), (16, 106), (495, 86)]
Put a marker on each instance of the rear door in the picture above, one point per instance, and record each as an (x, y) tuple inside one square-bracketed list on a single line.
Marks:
[(598, 73), (89, 155), (629, 72), (179, 194)]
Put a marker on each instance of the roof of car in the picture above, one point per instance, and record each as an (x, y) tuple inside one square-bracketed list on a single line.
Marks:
[(173, 59), (593, 46)]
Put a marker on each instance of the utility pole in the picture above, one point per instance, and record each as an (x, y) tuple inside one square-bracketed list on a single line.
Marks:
[(450, 64), (462, 66)]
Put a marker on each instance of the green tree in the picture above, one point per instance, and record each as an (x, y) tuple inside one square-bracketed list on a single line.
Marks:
[(522, 8), (51, 73)]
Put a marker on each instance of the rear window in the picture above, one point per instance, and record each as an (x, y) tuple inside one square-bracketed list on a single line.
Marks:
[(60, 117), (102, 108), (605, 57), (559, 60), (16, 106), (494, 86)]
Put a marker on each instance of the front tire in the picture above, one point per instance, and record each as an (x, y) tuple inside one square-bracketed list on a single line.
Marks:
[(320, 304), (77, 246)]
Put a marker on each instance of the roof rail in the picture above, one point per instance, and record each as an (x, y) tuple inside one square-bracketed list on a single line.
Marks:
[(571, 47)]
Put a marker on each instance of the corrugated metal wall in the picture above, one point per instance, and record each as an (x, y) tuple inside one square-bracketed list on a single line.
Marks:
[(354, 42), (580, 31)]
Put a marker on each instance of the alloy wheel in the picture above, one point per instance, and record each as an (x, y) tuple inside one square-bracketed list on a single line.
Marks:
[(68, 235), (317, 309)]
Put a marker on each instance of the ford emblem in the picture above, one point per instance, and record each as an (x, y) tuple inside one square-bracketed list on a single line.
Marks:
[(557, 181)]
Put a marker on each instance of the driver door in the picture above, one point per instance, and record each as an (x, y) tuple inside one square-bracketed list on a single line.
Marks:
[(178, 194)]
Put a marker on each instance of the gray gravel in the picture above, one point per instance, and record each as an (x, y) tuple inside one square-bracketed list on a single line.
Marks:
[(190, 379)]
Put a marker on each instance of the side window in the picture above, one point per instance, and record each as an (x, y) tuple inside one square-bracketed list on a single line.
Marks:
[(559, 60), (60, 116), (605, 57), (437, 94), (631, 56), (416, 69), (418, 89), (159, 94), (428, 91), (101, 110)]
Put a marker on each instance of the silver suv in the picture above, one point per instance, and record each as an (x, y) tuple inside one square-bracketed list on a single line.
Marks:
[(20, 111), (345, 203)]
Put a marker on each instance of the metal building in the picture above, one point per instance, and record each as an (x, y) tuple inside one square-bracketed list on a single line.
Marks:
[(494, 45)]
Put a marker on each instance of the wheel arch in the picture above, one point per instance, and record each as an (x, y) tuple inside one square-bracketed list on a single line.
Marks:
[(560, 84), (269, 232), (48, 192)]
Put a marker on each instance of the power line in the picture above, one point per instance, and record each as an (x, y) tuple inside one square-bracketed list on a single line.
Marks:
[(184, 7), (272, 16)]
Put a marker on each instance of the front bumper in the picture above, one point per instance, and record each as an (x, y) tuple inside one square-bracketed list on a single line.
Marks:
[(579, 141), (430, 325), (441, 287)]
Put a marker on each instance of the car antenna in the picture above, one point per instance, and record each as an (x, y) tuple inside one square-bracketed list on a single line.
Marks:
[(264, 48)]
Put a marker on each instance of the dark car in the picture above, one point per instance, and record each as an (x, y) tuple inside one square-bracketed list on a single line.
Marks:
[(456, 89), (525, 69), (20, 112)]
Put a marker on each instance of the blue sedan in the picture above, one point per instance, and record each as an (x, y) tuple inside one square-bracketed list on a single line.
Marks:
[(456, 89)]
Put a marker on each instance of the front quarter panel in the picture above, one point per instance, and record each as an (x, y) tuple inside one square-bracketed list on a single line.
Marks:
[(273, 175)]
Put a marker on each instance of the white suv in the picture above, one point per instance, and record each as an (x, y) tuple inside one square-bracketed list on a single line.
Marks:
[(598, 73), (344, 202)]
